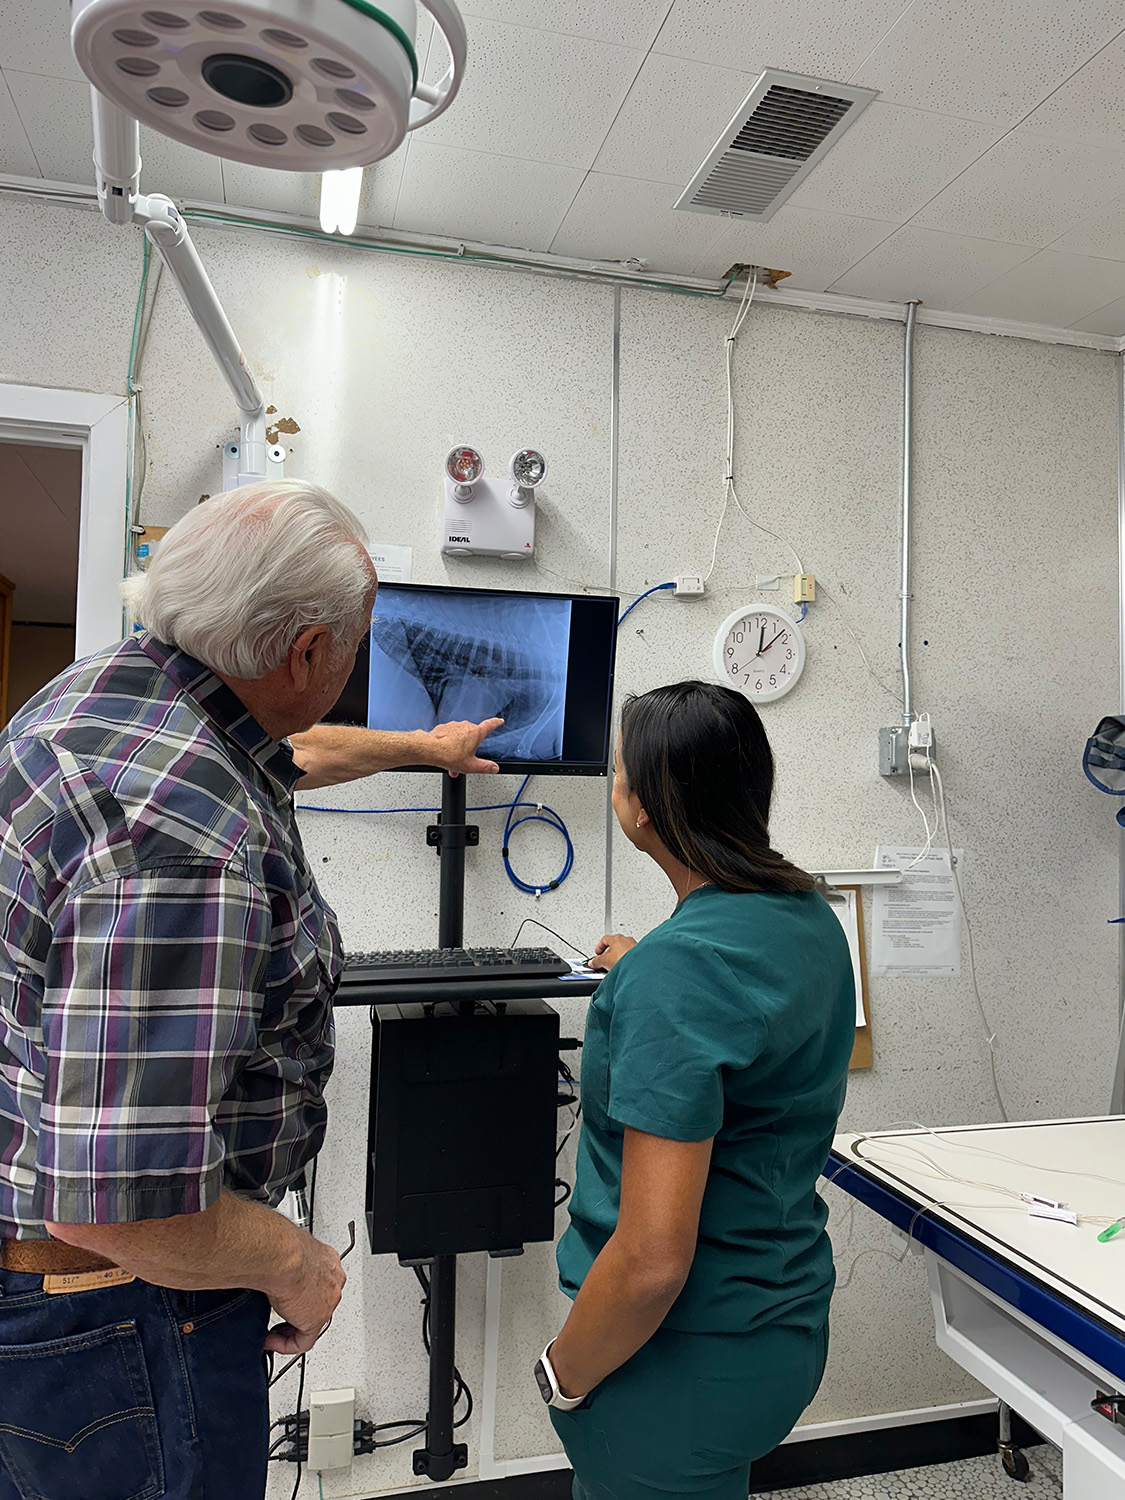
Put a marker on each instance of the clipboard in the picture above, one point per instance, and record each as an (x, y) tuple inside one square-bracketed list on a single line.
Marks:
[(847, 903)]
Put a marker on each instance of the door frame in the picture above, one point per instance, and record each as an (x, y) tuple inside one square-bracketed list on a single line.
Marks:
[(99, 426)]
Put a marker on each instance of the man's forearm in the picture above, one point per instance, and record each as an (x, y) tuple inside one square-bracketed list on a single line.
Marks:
[(233, 1244), (332, 753)]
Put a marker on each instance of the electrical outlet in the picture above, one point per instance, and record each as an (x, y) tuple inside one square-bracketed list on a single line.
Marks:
[(895, 749), (689, 585), (331, 1429)]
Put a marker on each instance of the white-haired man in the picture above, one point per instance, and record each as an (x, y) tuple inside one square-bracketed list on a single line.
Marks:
[(166, 972)]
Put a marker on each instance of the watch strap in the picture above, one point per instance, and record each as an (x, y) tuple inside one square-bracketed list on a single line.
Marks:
[(556, 1398)]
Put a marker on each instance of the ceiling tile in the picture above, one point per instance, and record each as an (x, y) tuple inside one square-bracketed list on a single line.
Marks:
[(630, 23), (1109, 319), (1050, 288), (986, 62), (16, 155), (941, 269), (617, 218), (828, 38), (814, 246), (381, 184), (1090, 105), (497, 200), (299, 192), (1102, 234), (168, 167), (56, 115), (35, 38), (893, 161), (671, 119), (534, 95), (263, 187), (1027, 190)]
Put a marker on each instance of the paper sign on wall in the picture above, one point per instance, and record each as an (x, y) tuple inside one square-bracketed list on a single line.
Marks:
[(393, 564), (917, 925)]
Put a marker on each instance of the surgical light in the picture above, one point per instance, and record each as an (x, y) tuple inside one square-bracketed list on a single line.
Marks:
[(301, 85), (339, 200)]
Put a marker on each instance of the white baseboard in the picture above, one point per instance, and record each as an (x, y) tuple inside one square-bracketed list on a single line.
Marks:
[(812, 1431)]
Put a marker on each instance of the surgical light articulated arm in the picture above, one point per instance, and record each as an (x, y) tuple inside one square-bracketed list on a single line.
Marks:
[(117, 162)]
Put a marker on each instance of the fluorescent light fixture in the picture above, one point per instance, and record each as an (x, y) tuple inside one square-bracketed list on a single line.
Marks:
[(339, 200)]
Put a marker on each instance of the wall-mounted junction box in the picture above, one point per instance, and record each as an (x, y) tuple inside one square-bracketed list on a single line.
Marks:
[(894, 751)]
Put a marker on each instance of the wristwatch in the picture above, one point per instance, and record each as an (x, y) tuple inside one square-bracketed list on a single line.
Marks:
[(547, 1381)]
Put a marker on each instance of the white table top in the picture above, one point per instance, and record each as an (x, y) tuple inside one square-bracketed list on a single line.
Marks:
[(1064, 1160)]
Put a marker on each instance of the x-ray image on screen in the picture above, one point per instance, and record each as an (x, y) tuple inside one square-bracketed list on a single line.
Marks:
[(439, 657)]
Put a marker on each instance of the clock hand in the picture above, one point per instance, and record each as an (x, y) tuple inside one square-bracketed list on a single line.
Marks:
[(763, 649), (761, 641)]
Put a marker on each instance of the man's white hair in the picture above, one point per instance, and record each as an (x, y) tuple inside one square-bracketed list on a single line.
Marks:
[(241, 576)]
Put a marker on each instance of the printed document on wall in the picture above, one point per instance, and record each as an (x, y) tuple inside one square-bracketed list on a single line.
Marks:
[(392, 563), (916, 926)]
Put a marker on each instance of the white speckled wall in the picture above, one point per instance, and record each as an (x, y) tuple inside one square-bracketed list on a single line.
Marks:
[(384, 363)]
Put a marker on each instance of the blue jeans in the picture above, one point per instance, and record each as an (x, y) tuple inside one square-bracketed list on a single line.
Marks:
[(131, 1392)]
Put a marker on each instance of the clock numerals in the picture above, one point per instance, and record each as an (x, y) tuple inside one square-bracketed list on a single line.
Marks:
[(761, 653)]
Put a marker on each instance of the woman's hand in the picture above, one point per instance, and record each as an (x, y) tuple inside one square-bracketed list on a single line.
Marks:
[(610, 948)]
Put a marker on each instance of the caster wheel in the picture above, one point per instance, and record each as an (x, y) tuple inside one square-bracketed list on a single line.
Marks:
[(1015, 1464)]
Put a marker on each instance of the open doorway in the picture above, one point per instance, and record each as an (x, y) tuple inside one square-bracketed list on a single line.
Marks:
[(40, 523)]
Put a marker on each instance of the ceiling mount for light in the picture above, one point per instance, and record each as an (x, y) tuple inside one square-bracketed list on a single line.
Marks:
[(301, 85)]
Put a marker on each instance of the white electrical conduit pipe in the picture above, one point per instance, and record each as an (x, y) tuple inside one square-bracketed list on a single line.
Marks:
[(907, 496), (117, 163)]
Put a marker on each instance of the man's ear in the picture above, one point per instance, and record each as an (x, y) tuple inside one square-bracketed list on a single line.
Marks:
[(306, 654)]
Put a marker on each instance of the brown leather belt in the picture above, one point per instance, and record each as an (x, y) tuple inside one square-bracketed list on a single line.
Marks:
[(49, 1258)]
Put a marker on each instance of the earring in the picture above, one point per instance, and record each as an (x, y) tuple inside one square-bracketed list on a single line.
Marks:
[(638, 823)]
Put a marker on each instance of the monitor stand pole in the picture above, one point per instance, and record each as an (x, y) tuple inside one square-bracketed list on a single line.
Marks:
[(451, 836), (441, 1458)]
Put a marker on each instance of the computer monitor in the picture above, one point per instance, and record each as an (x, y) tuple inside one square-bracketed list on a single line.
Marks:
[(542, 662)]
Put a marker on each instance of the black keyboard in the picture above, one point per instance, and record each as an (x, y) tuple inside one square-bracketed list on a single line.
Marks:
[(448, 965)]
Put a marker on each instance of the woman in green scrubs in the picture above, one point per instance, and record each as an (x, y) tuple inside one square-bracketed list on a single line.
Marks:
[(714, 1071)]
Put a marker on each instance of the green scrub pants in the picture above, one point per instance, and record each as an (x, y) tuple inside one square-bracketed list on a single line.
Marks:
[(690, 1412)]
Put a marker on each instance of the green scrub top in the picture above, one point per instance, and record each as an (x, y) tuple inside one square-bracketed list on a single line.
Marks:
[(734, 1019)]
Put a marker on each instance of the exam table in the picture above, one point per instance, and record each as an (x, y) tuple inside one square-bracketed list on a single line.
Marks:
[(1027, 1301)]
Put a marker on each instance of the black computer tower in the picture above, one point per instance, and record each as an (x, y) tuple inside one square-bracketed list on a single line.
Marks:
[(463, 1124)]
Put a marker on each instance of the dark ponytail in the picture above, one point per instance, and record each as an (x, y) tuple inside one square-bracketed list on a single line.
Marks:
[(697, 756)]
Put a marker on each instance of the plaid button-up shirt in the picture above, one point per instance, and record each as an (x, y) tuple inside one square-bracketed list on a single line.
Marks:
[(167, 963)]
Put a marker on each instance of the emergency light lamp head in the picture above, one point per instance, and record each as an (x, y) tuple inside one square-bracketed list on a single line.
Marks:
[(464, 467), (301, 85), (529, 469)]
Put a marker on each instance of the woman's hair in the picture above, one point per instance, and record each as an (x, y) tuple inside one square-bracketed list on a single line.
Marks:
[(236, 581), (697, 756)]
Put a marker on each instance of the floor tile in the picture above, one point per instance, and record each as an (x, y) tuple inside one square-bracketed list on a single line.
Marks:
[(971, 1479)]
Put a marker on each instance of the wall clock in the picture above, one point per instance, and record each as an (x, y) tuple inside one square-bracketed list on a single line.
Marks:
[(760, 651)]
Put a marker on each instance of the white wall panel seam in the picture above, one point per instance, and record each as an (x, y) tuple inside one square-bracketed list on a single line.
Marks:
[(614, 455)]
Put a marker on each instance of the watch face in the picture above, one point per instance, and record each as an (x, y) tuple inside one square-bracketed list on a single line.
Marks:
[(543, 1381), (761, 652)]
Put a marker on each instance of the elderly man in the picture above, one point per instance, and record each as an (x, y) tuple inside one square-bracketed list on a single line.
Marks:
[(167, 967)]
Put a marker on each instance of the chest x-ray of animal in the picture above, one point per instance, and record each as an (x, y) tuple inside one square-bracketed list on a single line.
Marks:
[(439, 657)]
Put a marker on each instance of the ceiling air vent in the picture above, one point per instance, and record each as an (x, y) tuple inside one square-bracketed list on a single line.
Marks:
[(781, 130)]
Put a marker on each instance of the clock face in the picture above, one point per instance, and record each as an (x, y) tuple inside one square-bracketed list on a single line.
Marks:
[(761, 652)]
